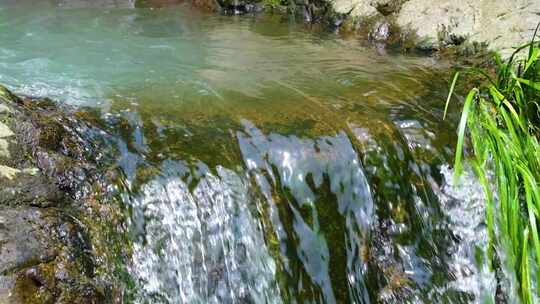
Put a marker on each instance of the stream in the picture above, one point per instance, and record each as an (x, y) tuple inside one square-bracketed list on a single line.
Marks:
[(263, 162)]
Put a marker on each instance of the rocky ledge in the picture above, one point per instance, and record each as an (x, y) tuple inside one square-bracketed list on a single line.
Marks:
[(474, 25), (498, 24), (52, 217)]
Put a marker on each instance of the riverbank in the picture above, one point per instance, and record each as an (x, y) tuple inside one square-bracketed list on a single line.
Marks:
[(464, 26), (498, 25)]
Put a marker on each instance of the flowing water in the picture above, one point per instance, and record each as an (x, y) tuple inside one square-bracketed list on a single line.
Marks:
[(263, 162)]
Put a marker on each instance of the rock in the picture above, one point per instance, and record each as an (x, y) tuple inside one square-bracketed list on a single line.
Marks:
[(4, 149), (499, 24), (8, 172), (207, 5), (236, 7), (381, 32), (23, 243), (355, 7), (41, 258), (387, 7), (5, 131), (4, 109), (27, 188), (50, 208)]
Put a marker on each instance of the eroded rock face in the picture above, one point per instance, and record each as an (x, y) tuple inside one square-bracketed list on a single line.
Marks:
[(49, 194), (500, 24)]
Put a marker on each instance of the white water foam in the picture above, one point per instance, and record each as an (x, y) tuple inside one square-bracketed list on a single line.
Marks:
[(201, 245), (464, 204)]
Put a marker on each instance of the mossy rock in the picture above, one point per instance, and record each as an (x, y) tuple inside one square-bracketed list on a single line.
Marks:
[(50, 185)]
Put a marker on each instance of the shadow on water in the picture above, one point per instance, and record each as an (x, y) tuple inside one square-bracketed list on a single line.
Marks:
[(262, 163)]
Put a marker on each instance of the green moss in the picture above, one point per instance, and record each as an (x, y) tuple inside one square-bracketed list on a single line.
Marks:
[(29, 290), (7, 96), (273, 4)]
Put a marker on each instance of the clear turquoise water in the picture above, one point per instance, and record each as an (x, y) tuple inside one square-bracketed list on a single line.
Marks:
[(263, 162)]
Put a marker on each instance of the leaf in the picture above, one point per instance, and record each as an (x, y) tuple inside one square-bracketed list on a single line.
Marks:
[(532, 58), (461, 131), (450, 94), (530, 83)]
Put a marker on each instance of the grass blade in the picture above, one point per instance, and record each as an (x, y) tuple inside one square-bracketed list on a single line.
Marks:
[(461, 131), (450, 94)]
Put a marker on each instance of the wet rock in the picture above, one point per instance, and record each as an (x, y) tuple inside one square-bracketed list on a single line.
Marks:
[(69, 176), (28, 187), (49, 199), (236, 7), (381, 32), (22, 244), (39, 262), (316, 12)]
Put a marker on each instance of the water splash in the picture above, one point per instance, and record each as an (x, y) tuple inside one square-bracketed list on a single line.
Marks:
[(464, 203), (202, 245)]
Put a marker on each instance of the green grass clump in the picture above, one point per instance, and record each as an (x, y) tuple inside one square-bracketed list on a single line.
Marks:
[(503, 123), (271, 4)]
